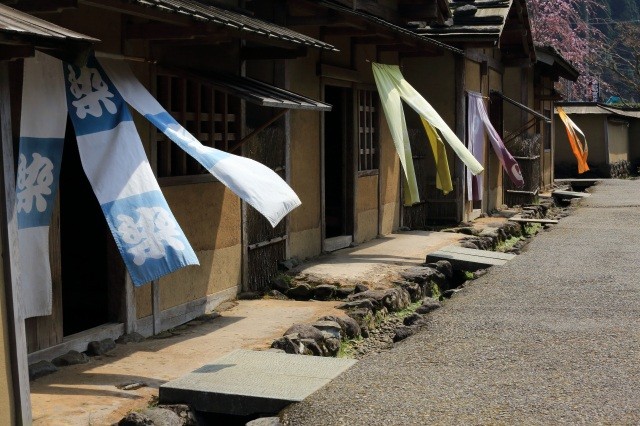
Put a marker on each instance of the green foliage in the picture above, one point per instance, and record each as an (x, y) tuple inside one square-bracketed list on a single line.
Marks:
[(532, 228), (347, 348), (408, 310), (507, 244)]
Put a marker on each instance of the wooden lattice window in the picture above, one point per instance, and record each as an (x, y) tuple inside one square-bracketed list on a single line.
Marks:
[(208, 114), (367, 130)]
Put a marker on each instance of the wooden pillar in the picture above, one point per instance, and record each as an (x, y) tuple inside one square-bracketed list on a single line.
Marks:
[(9, 229), (461, 125)]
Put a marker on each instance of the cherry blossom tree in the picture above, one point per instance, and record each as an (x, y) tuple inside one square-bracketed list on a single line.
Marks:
[(566, 26), (623, 59)]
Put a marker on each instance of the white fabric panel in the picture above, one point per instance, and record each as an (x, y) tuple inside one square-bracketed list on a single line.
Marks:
[(35, 272), (110, 150)]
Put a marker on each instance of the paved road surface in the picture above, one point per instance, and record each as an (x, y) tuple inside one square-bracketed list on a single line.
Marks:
[(551, 338)]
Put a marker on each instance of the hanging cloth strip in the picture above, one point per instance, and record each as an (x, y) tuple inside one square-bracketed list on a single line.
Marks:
[(443, 175), (392, 107), (42, 129), (148, 237), (509, 164), (250, 180), (578, 145), (392, 77), (476, 140)]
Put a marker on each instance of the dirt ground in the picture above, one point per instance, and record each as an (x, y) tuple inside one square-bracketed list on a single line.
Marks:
[(89, 394), (92, 394)]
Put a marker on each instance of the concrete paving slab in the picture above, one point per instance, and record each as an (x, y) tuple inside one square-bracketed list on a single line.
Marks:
[(247, 382)]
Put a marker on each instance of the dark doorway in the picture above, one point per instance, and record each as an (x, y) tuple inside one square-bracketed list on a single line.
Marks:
[(84, 246), (338, 162)]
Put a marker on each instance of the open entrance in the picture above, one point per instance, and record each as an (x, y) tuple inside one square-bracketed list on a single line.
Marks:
[(84, 246), (338, 168)]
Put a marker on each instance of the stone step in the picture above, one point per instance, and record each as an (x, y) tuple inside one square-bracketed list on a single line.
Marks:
[(246, 382), (570, 194), (469, 259), (532, 220)]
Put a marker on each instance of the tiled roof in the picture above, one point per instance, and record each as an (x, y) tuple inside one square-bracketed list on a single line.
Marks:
[(235, 20), (403, 32), (14, 23), (477, 20), (552, 61)]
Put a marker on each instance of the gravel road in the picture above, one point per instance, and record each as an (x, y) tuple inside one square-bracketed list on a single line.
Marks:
[(553, 337)]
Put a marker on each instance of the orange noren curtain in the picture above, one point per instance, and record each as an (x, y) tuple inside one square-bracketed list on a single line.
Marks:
[(578, 145)]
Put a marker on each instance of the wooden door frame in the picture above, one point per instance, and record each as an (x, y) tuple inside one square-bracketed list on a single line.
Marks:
[(351, 152)]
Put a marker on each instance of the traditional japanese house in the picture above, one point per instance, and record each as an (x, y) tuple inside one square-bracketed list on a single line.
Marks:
[(197, 60), (498, 62), (20, 35), (611, 133), (344, 164)]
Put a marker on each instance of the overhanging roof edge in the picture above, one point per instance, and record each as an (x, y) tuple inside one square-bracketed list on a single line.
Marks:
[(403, 31), (254, 91)]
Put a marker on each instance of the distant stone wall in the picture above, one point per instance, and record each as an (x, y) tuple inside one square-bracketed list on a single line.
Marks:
[(620, 169)]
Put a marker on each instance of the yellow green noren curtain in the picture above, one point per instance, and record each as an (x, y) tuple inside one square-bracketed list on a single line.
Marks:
[(392, 107), (392, 87), (443, 175)]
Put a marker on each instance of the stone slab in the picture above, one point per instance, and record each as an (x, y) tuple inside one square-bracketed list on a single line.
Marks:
[(570, 194), (532, 220), (469, 259), (246, 382), (337, 243)]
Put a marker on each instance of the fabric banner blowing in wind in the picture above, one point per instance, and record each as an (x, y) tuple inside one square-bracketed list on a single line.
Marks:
[(394, 89), (578, 145), (478, 118), (250, 180), (150, 240)]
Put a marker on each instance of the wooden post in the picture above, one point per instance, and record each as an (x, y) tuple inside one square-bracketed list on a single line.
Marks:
[(131, 318), (461, 124), (11, 259), (155, 306)]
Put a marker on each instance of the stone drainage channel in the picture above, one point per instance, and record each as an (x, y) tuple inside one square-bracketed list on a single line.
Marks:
[(375, 319)]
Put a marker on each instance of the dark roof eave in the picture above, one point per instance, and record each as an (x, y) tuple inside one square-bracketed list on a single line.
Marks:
[(396, 29), (208, 13)]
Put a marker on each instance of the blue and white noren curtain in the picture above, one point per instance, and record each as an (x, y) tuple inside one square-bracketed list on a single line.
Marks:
[(146, 232), (250, 180), (150, 240), (42, 129)]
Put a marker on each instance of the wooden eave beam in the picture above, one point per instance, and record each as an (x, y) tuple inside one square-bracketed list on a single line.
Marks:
[(350, 32), (260, 53), (164, 31), (315, 20), (199, 33), (377, 39), (10, 53), (418, 53)]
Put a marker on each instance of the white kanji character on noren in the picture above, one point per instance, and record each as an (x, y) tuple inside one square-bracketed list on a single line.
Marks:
[(154, 229), (33, 182), (90, 89)]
